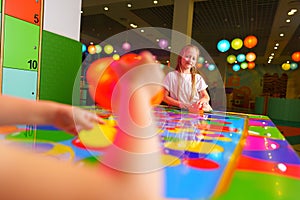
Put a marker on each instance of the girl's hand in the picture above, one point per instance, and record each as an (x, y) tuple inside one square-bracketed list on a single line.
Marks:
[(184, 105), (201, 103), (204, 105), (73, 119)]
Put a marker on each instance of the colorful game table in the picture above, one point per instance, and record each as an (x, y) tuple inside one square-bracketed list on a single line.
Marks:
[(218, 155)]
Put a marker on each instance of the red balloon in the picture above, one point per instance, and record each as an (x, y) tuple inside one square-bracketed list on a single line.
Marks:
[(296, 56), (251, 65), (130, 58), (102, 80), (250, 41)]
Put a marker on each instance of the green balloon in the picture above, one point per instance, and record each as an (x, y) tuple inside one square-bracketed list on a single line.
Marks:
[(201, 60), (244, 65)]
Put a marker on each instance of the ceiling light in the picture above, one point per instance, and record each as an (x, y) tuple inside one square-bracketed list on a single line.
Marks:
[(288, 21), (133, 25), (281, 34), (129, 5), (155, 2), (277, 44), (142, 30), (293, 10), (81, 11), (105, 8), (275, 47)]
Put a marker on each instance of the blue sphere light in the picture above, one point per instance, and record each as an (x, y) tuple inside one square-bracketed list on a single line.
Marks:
[(294, 66), (236, 67), (211, 67), (241, 57), (83, 48), (223, 45)]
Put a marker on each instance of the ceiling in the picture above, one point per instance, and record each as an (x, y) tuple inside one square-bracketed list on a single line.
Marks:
[(213, 20)]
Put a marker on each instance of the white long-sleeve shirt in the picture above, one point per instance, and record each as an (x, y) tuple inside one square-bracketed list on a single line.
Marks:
[(179, 86)]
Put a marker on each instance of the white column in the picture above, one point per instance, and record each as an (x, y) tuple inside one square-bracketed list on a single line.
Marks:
[(63, 17), (182, 22)]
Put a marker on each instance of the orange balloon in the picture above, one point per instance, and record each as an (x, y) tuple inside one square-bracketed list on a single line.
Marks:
[(250, 56), (250, 41), (199, 65), (157, 99), (251, 65), (296, 56), (92, 49)]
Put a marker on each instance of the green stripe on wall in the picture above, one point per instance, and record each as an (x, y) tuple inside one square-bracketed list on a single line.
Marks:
[(61, 60), (286, 123), (293, 139)]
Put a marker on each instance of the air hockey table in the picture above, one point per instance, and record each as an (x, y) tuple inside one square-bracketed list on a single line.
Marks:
[(218, 155)]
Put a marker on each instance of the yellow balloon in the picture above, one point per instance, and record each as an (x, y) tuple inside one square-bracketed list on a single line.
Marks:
[(108, 49), (231, 59), (116, 56), (99, 137), (236, 43), (286, 66)]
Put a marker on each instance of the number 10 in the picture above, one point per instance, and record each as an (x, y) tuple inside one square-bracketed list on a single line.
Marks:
[(32, 64)]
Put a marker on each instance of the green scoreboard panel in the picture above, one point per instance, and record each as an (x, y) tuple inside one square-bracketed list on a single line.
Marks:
[(21, 44)]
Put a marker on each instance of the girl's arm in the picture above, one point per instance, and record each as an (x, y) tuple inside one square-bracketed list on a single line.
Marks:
[(17, 111), (26, 175), (203, 103), (173, 102), (204, 97)]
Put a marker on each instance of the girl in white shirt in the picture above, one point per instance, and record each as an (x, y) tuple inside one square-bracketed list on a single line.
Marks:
[(184, 88)]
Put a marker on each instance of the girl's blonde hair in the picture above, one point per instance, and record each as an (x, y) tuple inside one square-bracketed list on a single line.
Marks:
[(193, 69)]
